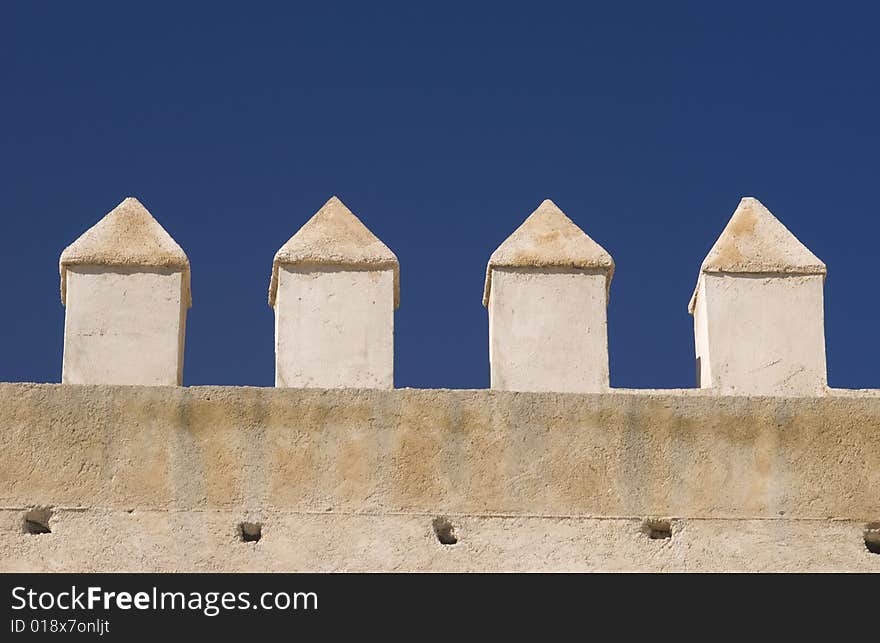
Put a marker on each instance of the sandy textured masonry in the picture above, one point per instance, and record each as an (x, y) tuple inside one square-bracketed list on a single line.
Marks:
[(546, 291), (334, 288), (159, 478), (758, 307), (126, 285)]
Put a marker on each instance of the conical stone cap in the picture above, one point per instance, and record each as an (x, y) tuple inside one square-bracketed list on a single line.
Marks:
[(548, 239), (128, 236), (755, 242), (334, 236)]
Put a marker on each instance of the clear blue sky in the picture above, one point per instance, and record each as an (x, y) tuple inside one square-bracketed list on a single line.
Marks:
[(442, 126)]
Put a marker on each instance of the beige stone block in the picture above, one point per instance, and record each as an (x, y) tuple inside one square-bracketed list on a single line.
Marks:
[(546, 292), (765, 334), (126, 286), (334, 289), (547, 331), (334, 328), (123, 326), (758, 310)]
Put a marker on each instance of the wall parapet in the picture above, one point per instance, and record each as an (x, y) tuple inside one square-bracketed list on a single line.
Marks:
[(170, 478), (758, 306), (682, 453)]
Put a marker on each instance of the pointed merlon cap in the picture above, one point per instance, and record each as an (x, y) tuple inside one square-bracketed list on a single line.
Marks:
[(334, 236), (127, 237), (756, 242), (549, 239)]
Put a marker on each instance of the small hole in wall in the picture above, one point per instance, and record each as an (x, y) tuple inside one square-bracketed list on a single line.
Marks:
[(872, 537), (250, 532), (444, 530), (657, 529), (36, 521)]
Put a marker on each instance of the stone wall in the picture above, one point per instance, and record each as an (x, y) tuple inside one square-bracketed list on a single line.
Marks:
[(762, 467), (163, 478)]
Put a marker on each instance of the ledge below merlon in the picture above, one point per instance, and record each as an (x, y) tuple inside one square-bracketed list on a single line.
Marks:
[(686, 453), (99, 540)]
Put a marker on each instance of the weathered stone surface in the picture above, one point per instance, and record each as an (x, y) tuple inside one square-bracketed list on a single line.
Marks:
[(334, 289), (334, 236), (124, 326), (548, 239), (126, 286), (334, 328), (127, 237), (761, 334), (759, 319), (547, 293), (548, 331), (756, 242), (97, 540), (158, 478)]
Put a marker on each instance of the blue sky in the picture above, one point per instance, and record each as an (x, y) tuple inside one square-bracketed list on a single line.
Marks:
[(442, 127)]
